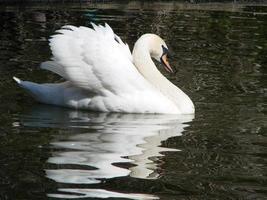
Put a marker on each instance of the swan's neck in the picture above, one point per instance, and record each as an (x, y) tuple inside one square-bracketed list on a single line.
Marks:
[(145, 65)]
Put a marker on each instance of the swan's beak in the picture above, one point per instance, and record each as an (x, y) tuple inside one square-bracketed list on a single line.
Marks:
[(164, 61)]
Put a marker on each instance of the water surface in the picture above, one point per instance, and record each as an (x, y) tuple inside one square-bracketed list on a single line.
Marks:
[(220, 53)]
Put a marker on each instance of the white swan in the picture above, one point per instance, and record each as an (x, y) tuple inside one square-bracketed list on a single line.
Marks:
[(102, 75)]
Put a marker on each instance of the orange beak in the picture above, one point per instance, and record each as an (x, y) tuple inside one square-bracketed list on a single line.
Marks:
[(166, 64)]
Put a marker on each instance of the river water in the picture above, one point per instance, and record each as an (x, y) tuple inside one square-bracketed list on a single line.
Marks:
[(220, 53)]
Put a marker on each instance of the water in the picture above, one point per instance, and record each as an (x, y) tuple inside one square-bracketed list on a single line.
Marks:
[(220, 53)]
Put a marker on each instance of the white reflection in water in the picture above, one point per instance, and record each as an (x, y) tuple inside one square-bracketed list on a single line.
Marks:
[(98, 193), (110, 139)]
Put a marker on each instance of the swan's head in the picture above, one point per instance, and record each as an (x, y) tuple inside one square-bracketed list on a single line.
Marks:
[(150, 45), (159, 50)]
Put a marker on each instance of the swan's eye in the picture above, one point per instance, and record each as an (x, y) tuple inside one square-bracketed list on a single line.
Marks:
[(116, 39)]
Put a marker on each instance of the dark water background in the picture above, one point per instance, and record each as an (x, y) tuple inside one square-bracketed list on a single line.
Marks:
[(220, 53)]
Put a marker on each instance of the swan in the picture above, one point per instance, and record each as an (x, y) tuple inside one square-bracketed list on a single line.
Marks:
[(102, 75)]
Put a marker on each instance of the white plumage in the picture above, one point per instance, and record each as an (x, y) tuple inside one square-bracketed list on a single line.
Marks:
[(101, 74)]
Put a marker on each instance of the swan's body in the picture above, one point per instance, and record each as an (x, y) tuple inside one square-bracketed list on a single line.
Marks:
[(102, 75)]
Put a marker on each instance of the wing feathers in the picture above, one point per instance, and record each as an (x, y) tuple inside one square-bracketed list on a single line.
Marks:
[(93, 59), (54, 67)]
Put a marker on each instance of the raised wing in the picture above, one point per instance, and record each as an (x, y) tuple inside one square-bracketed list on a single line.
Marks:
[(94, 59)]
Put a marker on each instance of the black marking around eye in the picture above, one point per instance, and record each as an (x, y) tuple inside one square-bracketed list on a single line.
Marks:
[(116, 39), (165, 50)]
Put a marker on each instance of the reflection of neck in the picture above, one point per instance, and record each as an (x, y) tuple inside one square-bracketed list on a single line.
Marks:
[(145, 166), (145, 65)]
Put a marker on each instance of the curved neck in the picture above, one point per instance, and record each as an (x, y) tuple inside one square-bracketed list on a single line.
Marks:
[(143, 62)]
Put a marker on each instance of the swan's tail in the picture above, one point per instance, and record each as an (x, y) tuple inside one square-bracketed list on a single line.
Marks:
[(61, 94), (29, 86), (37, 91), (17, 80)]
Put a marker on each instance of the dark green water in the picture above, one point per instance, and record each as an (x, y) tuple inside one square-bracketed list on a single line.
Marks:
[(220, 53)]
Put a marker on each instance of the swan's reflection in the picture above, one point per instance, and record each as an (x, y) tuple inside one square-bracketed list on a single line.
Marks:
[(96, 141)]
